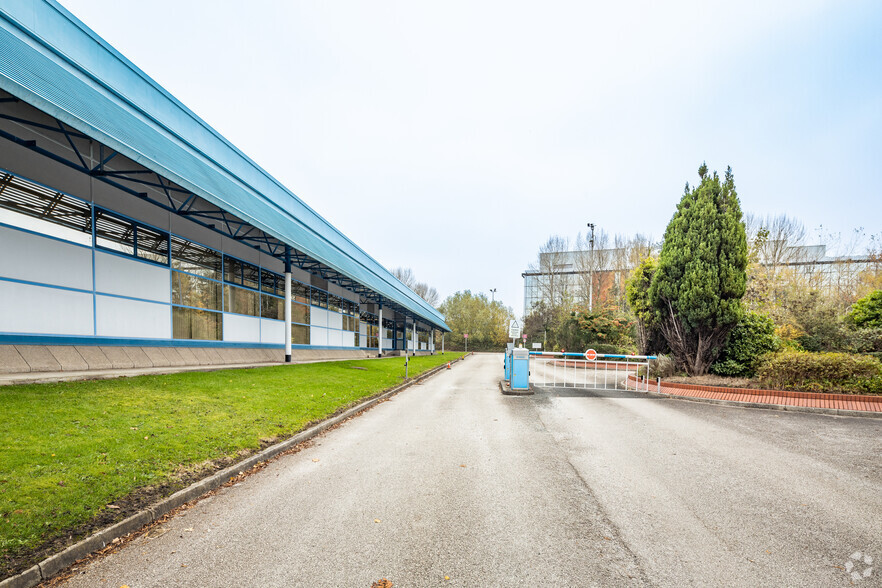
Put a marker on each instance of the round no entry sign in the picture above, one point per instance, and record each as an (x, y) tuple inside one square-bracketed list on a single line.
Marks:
[(590, 355)]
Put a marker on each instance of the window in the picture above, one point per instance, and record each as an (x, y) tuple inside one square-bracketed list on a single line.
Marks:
[(334, 303), (30, 206), (242, 273), (319, 298), (130, 237), (241, 301), (300, 313), (190, 290), (350, 308), (300, 292), (272, 307), (195, 259), (300, 334), (372, 329), (272, 283), (189, 323)]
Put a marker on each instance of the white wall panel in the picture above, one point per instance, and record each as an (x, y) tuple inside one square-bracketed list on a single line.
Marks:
[(121, 317), (335, 320), (318, 317), (241, 328), (387, 343), (318, 336), (335, 338), (272, 331), (348, 339), (39, 259), (37, 309), (128, 277)]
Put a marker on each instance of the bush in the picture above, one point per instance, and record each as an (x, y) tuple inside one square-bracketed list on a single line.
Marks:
[(606, 328), (865, 340), (817, 318), (749, 341), (663, 367), (867, 312), (821, 372)]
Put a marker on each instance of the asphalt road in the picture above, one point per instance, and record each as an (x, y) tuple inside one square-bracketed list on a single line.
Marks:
[(450, 479)]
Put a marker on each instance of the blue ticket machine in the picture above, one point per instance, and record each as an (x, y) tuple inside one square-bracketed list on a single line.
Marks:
[(508, 349), (520, 369)]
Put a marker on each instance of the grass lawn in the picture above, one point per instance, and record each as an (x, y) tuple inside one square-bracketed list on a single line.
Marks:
[(68, 450)]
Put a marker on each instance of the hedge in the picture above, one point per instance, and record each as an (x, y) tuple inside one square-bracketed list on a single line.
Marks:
[(821, 372)]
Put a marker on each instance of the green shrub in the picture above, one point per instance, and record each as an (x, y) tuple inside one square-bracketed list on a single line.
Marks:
[(821, 372), (867, 312), (749, 341), (865, 340)]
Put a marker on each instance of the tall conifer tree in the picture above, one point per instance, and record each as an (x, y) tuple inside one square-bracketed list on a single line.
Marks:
[(701, 276)]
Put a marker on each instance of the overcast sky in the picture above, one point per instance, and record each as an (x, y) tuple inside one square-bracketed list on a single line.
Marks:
[(455, 137)]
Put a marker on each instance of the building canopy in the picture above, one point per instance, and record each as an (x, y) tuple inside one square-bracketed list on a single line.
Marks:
[(50, 59)]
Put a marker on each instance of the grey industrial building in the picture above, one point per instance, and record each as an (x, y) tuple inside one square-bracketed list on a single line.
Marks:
[(130, 229)]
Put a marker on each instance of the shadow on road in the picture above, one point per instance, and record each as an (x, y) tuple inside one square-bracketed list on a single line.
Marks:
[(559, 392)]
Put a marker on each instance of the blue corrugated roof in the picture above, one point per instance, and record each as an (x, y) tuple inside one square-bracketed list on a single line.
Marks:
[(53, 61)]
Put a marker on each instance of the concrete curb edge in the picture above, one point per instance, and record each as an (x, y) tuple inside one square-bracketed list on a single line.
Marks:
[(507, 391), (62, 560)]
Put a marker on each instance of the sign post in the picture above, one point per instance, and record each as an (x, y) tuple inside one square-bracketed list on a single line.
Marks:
[(514, 330)]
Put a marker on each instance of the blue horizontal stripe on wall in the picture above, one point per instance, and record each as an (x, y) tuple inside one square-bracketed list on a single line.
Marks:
[(25, 339)]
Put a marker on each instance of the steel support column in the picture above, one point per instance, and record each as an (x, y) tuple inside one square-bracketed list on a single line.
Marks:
[(380, 332), (287, 304)]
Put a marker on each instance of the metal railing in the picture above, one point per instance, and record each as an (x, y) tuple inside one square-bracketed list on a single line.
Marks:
[(573, 370)]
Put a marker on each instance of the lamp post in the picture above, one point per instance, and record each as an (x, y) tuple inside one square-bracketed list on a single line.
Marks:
[(591, 269), (492, 295)]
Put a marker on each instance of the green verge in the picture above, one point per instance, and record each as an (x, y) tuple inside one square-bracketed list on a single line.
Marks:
[(67, 450)]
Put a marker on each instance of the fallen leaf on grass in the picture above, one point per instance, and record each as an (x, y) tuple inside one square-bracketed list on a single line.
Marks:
[(112, 506)]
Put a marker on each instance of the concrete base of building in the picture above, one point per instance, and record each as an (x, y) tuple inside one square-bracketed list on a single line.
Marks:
[(52, 363)]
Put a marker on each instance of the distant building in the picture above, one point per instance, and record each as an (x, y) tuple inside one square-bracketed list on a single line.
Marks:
[(578, 277), (840, 275), (573, 276)]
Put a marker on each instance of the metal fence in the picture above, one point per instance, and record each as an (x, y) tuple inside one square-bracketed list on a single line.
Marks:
[(573, 370)]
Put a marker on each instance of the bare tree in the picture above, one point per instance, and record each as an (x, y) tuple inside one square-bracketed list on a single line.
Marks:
[(778, 240), (421, 289), (552, 266), (592, 265)]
